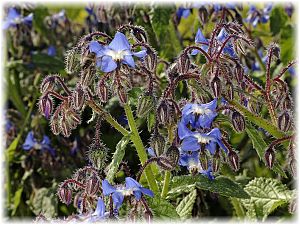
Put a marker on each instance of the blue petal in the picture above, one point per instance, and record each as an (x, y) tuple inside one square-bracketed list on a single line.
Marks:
[(100, 210), (12, 14), (51, 50), (107, 188), (183, 131), (118, 199), (187, 109), (222, 35), (211, 105), (146, 191), (200, 37), (29, 141), (151, 152), (95, 47), (190, 144), (28, 19), (131, 183), (186, 13), (128, 59), (137, 194), (119, 43), (140, 54), (6, 24), (106, 63), (211, 147)]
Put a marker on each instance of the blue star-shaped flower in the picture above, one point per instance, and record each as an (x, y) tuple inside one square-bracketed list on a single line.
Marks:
[(118, 51), (192, 141), (132, 187), (228, 49), (256, 16), (13, 18), (202, 41), (51, 51), (199, 115), (183, 12), (100, 213), (32, 143)]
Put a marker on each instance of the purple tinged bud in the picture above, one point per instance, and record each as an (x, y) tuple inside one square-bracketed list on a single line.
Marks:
[(148, 216), (122, 95), (162, 112), (145, 104), (229, 90), (102, 91), (78, 97), (216, 162), (293, 167), (65, 128), (238, 121), (54, 125), (157, 142), (77, 200), (65, 195), (165, 163), (92, 186), (270, 157), (150, 60), (234, 160), (183, 64), (173, 154), (48, 84), (284, 121), (204, 161), (46, 106), (286, 103)]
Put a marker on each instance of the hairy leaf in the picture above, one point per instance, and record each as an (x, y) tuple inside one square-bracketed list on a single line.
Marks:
[(185, 207), (117, 158), (162, 209), (266, 195), (221, 185), (278, 18)]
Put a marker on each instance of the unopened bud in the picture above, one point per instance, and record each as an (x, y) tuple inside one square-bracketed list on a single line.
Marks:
[(46, 106), (122, 95), (165, 163), (293, 167), (203, 15), (48, 84), (216, 162), (157, 142), (287, 103), (284, 121), (162, 113), (216, 86), (139, 33), (65, 128), (183, 64), (78, 97), (229, 90), (173, 154), (148, 216), (238, 121), (72, 62), (65, 195), (145, 104), (204, 161), (54, 125), (92, 186), (102, 91), (270, 157), (77, 200), (276, 51), (234, 160)]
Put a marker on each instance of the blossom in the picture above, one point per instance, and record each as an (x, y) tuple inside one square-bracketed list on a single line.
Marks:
[(192, 162), (228, 49), (13, 18), (99, 213), (200, 39), (255, 66), (193, 141), (132, 187), (199, 115), (32, 143), (118, 51), (256, 16)]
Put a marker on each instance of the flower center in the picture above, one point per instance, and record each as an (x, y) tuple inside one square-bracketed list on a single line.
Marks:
[(200, 111), (126, 192), (116, 55), (37, 146), (203, 139)]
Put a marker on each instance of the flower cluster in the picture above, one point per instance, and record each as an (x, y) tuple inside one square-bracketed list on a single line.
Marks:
[(199, 139)]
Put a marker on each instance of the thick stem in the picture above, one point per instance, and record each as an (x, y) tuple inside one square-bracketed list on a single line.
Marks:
[(136, 139)]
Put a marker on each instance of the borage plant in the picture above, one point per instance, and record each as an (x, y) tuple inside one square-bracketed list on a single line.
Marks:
[(189, 145)]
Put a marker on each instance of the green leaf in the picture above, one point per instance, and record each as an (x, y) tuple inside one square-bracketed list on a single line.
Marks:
[(221, 185), (266, 195), (185, 207), (47, 63), (278, 19), (162, 209), (44, 201), (17, 199), (260, 146), (238, 208), (38, 20), (117, 158)]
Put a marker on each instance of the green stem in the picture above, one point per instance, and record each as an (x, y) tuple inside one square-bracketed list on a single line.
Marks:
[(167, 173), (137, 141), (108, 118), (273, 130)]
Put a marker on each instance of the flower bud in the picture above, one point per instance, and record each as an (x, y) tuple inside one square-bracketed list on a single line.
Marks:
[(77, 200), (54, 125), (92, 186), (216, 86), (139, 33), (287, 103), (165, 163), (98, 156), (203, 15), (48, 84), (86, 76), (46, 106), (204, 160), (293, 167), (239, 73), (238, 121), (150, 61), (270, 157), (284, 121), (162, 113), (216, 162), (148, 216), (183, 64), (64, 125), (65, 195), (157, 142), (122, 95), (234, 160), (173, 154), (145, 104), (229, 90), (78, 97), (102, 91), (254, 106), (72, 63)]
